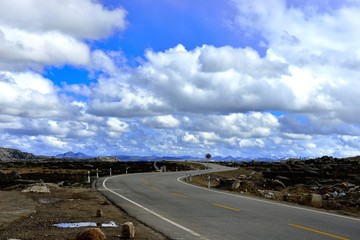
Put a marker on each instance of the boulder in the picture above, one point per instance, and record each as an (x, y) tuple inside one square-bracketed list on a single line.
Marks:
[(236, 185), (128, 230), (91, 234), (242, 176), (37, 189), (313, 200)]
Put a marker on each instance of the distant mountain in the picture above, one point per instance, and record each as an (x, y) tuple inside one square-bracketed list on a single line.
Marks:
[(153, 158), (78, 155), (9, 155)]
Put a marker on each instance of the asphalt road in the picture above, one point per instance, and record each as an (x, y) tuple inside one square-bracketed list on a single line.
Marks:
[(183, 211)]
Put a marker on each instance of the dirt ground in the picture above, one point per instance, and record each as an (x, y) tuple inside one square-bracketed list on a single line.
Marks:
[(71, 205)]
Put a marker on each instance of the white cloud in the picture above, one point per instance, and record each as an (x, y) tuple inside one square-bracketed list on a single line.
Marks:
[(114, 97), (81, 18), (53, 142), (116, 125), (239, 80), (190, 138), (29, 94), (165, 121), (250, 143), (37, 33), (317, 41), (20, 49)]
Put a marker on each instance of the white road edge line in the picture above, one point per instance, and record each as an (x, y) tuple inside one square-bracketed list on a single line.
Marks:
[(269, 202), (152, 212)]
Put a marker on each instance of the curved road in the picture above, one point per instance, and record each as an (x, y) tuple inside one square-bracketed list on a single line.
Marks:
[(183, 211)]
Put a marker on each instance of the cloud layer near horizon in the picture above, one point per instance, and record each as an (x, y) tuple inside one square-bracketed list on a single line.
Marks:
[(292, 93)]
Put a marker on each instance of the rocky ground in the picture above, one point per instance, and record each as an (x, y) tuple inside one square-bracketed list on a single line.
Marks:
[(70, 198), (71, 205), (327, 183)]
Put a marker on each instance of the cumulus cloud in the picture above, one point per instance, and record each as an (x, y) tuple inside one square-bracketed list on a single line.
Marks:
[(20, 49), (52, 32), (116, 127), (165, 121), (316, 40), (183, 78), (115, 97), (84, 19), (29, 95)]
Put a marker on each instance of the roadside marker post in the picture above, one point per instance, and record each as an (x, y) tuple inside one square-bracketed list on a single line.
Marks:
[(110, 170), (88, 176), (97, 173), (209, 178)]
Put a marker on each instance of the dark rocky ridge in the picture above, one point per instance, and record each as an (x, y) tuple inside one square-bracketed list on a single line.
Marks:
[(9, 154)]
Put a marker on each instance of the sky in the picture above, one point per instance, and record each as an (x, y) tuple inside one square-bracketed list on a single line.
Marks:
[(250, 79)]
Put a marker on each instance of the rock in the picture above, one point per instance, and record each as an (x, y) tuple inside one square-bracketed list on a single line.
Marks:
[(61, 184), (282, 178), (277, 182), (269, 195), (128, 230), (37, 189), (24, 181), (313, 200), (342, 194), (235, 185), (91, 234), (335, 194), (99, 213)]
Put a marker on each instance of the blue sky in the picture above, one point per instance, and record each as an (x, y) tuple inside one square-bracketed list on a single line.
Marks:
[(176, 77)]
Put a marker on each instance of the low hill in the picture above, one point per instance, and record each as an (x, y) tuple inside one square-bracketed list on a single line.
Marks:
[(14, 155), (10, 155)]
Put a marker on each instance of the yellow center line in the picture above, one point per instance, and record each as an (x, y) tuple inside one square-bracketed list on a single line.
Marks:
[(144, 181), (318, 231), (180, 195), (226, 207), (154, 188)]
